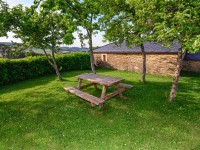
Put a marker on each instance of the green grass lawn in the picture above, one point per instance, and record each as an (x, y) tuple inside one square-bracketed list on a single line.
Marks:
[(38, 114)]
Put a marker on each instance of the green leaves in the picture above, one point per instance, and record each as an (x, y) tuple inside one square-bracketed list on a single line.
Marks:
[(5, 18), (179, 21), (130, 21), (45, 28), (161, 21)]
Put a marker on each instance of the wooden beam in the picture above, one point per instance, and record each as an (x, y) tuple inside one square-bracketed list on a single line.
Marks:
[(113, 94), (90, 98), (95, 86), (120, 94), (87, 85), (79, 83), (103, 94), (126, 86)]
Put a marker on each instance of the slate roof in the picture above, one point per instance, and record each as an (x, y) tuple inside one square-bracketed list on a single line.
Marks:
[(195, 56), (149, 48)]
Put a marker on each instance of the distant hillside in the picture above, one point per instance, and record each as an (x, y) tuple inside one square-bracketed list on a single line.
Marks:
[(72, 49), (6, 43), (63, 48)]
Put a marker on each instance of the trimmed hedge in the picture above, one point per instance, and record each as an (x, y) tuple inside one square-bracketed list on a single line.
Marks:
[(32, 67)]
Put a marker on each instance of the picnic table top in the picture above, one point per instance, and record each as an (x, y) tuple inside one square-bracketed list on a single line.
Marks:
[(100, 79)]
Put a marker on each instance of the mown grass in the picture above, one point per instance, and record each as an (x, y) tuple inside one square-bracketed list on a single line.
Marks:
[(38, 114)]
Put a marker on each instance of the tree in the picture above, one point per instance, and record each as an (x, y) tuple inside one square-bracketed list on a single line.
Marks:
[(161, 21), (5, 18), (85, 14), (129, 22), (5, 27), (178, 21), (44, 29)]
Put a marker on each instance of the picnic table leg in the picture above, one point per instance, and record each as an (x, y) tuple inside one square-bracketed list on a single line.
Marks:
[(95, 85), (79, 83), (120, 89), (120, 93), (103, 94)]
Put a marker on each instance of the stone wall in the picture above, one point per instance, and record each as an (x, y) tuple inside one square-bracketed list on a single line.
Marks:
[(160, 64), (191, 65)]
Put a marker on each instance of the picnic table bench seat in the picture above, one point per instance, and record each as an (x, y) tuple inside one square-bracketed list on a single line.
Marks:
[(92, 99)]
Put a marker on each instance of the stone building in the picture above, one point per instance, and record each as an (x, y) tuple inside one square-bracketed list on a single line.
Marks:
[(192, 62), (160, 60)]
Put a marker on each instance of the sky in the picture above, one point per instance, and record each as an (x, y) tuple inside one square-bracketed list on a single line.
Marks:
[(97, 39)]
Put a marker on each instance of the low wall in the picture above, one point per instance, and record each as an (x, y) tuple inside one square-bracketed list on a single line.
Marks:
[(191, 65), (160, 64)]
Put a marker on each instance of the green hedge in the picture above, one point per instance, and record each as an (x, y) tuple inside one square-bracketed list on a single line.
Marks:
[(32, 67)]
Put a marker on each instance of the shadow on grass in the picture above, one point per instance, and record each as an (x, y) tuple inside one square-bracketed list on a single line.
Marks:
[(154, 95), (190, 74), (58, 120), (27, 84), (63, 120), (41, 81)]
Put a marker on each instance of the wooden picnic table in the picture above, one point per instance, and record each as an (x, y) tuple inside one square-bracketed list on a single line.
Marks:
[(105, 81), (100, 79), (95, 79)]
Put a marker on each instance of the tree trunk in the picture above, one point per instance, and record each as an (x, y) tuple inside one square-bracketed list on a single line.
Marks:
[(89, 33), (57, 70), (143, 79), (92, 62), (91, 53), (176, 76), (54, 65)]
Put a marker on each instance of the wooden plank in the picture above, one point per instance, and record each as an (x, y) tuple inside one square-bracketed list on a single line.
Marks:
[(79, 83), (95, 86), (126, 86), (103, 93), (121, 87), (113, 94), (120, 94), (103, 80), (87, 85), (85, 96)]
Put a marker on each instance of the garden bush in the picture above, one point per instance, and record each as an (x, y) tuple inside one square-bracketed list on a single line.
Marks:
[(32, 67)]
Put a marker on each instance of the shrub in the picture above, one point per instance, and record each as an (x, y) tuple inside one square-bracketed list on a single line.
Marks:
[(32, 67)]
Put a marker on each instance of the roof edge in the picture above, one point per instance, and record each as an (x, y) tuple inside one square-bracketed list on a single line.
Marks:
[(135, 52)]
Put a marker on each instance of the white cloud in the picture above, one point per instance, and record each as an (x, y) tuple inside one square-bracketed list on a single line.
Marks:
[(9, 38), (16, 2), (97, 40)]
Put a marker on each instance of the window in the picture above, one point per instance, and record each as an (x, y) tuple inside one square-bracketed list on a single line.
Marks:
[(104, 58)]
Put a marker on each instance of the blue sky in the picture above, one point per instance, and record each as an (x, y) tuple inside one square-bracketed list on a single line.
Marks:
[(97, 40)]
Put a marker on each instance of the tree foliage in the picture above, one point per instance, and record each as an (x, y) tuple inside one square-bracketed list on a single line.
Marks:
[(179, 20), (5, 18), (44, 29), (130, 22), (85, 14), (168, 22)]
